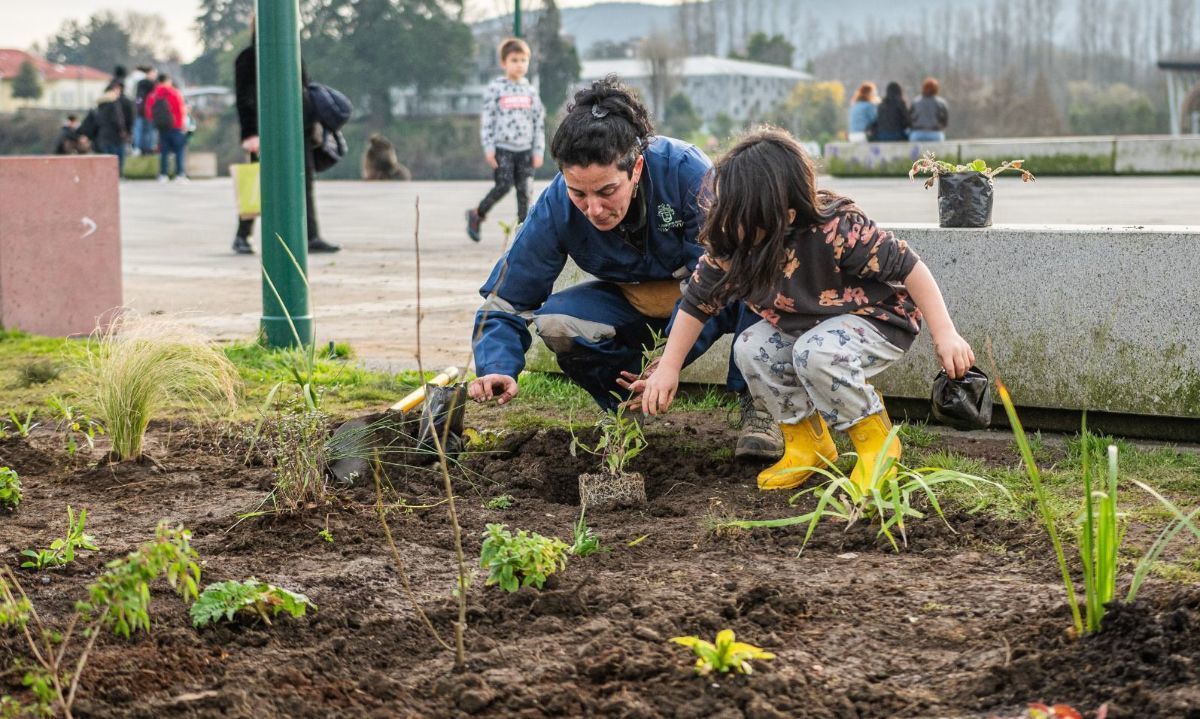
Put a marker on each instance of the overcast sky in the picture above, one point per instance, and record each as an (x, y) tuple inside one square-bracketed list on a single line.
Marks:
[(28, 21)]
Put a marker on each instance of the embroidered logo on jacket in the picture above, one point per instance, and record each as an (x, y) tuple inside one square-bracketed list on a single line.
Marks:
[(666, 215)]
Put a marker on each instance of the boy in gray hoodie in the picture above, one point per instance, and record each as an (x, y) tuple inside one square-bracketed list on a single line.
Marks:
[(513, 132)]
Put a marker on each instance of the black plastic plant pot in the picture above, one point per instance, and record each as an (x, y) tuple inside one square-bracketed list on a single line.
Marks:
[(965, 200)]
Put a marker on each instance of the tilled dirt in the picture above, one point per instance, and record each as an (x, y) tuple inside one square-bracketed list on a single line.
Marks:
[(969, 622)]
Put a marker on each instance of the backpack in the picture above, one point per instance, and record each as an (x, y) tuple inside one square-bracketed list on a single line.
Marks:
[(160, 115), (331, 109)]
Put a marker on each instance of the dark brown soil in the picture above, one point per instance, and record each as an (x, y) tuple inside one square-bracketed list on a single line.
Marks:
[(964, 623)]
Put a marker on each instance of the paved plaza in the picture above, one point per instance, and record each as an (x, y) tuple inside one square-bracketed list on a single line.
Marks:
[(177, 258)]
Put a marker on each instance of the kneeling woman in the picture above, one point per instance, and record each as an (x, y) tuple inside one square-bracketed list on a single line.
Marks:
[(841, 300)]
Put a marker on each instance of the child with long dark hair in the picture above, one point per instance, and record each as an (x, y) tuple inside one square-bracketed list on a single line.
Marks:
[(841, 300)]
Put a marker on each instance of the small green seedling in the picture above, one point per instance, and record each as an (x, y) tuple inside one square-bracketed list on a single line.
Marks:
[(586, 541), (504, 501), (526, 559), (23, 427), (223, 600), (62, 551), (10, 488), (75, 424), (936, 168), (727, 655), (621, 439)]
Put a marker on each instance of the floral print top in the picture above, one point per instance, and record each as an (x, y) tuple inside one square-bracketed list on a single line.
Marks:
[(847, 265)]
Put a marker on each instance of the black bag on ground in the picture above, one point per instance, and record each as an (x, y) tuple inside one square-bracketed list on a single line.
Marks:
[(442, 413), (965, 200), (962, 403)]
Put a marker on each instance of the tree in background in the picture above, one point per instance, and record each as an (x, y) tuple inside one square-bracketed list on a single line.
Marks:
[(1110, 109), (27, 85), (106, 40), (223, 27), (813, 111), (680, 119), (611, 50), (664, 59), (773, 50), (367, 47), (557, 62)]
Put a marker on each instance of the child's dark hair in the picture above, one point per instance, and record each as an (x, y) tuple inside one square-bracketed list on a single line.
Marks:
[(605, 124), (751, 190), (512, 45)]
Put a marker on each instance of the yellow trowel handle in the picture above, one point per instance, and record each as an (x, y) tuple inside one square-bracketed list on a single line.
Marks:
[(417, 396)]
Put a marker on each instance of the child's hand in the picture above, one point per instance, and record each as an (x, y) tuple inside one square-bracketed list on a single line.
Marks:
[(537, 161), (955, 354), (656, 393), (491, 160)]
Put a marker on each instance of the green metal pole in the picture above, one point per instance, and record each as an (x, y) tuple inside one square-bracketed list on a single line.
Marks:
[(517, 20), (286, 315)]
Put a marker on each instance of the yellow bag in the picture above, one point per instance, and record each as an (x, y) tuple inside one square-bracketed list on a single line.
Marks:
[(246, 189)]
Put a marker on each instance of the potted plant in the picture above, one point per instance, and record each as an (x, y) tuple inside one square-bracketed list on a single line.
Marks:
[(964, 191), (620, 440)]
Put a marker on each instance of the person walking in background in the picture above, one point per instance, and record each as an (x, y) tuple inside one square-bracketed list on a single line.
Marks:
[(70, 141), (893, 121), (166, 110), (929, 114), (863, 111), (513, 132), (144, 138), (114, 113), (245, 86)]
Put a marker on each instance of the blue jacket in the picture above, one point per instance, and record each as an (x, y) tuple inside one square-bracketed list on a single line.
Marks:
[(555, 230), (862, 114)]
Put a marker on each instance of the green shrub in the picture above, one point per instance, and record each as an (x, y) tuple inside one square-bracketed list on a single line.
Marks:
[(526, 559), (223, 600), (10, 488)]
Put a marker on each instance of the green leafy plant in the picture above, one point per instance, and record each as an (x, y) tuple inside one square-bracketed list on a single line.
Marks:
[(504, 501), (1101, 535), (223, 600), (137, 366), (586, 542), (726, 655), (936, 168), (62, 551), (325, 533), (10, 488), (889, 502), (526, 559), (121, 596), (75, 424), (620, 440), (23, 427)]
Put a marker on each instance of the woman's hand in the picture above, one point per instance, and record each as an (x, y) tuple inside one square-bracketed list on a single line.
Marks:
[(656, 393), (250, 144), (954, 353), (499, 387)]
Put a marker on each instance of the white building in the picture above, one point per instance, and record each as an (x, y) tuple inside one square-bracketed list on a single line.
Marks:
[(742, 90), (64, 87)]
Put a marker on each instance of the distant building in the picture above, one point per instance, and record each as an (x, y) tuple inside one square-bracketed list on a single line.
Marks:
[(464, 100), (1183, 91), (742, 90), (64, 87), (208, 98)]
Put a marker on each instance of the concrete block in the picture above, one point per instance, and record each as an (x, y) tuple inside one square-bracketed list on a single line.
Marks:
[(201, 165), (1046, 156), (1158, 155), (894, 159), (1079, 317), (60, 243)]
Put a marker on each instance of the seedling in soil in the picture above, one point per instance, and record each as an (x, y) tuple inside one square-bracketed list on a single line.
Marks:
[(504, 501), (75, 424), (524, 560), (23, 427), (62, 551), (10, 488), (1102, 534), (325, 533), (299, 457), (586, 542), (620, 440), (137, 366), (889, 502), (726, 655), (223, 600)]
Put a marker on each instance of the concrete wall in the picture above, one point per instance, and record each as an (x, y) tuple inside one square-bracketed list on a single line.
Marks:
[(1044, 156), (199, 165), (1079, 317), (60, 243)]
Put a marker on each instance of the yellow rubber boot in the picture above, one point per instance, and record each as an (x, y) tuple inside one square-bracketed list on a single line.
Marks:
[(805, 444), (869, 435)]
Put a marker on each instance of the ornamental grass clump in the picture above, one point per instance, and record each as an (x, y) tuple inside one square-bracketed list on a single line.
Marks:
[(138, 366), (1101, 525)]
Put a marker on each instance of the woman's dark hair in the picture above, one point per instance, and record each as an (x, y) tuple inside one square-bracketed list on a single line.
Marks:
[(751, 190), (894, 92), (604, 124)]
